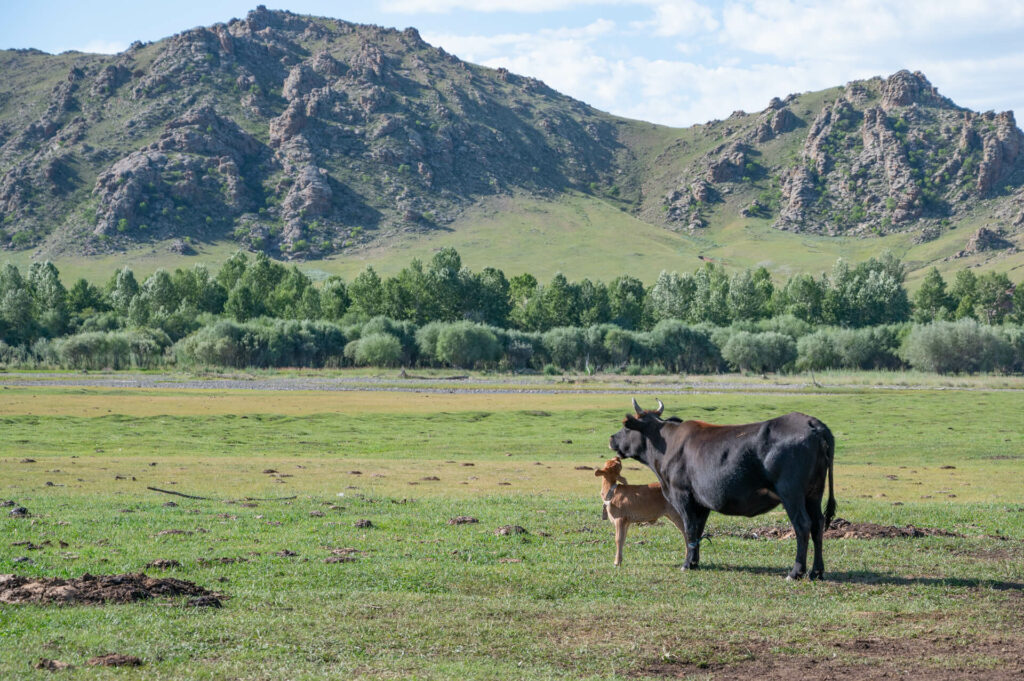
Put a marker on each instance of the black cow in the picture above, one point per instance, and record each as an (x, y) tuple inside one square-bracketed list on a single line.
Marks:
[(738, 470)]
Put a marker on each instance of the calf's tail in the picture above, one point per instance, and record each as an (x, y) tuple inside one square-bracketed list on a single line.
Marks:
[(829, 449)]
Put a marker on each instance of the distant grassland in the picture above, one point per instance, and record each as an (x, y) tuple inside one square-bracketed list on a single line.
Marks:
[(581, 236), (431, 600)]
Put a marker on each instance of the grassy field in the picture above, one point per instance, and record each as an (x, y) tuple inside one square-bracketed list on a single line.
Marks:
[(430, 600), (583, 236)]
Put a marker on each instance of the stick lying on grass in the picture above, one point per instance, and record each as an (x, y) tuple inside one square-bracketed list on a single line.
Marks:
[(192, 496)]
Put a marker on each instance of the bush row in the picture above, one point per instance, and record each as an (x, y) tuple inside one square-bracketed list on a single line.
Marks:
[(779, 344)]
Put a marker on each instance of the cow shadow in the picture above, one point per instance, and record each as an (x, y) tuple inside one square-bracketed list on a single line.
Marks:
[(872, 577)]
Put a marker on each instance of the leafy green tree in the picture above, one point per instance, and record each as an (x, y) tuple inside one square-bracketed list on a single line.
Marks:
[(801, 297), (486, 297), (263, 276), (671, 297), (286, 297), (232, 270), (560, 303), (932, 302), (243, 303), (445, 284), (964, 294), (522, 290), (750, 295), (711, 295), (412, 295), (366, 293), (1017, 316), (334, 300), (16, 314), (123, 288), (594, 304), (199, 291), (994, 297), (85, 297), (309, 306), (49, 298), (139, 311), (626, 297), (160, 293), (881, 299)]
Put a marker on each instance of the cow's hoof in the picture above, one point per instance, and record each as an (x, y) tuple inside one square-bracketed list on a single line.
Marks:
[(816, 574), (692, 566), (794, 576)]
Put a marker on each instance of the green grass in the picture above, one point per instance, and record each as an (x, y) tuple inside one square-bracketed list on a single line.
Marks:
[(429, 600)]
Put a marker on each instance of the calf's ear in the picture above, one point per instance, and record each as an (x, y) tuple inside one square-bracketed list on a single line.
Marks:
[(598, 472)]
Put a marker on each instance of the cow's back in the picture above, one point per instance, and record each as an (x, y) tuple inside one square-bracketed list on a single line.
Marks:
[(737, 469)]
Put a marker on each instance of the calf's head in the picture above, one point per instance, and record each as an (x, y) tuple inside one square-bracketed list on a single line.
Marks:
[(630, 441), (610, 472)]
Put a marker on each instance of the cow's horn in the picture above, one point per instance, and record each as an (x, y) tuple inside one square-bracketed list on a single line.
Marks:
[(661, 408), (636, 408)]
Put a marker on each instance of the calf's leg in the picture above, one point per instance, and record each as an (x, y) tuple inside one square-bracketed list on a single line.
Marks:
[(621, 526)]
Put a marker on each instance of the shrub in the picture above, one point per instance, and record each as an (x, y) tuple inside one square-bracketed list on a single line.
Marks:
[(769, 351), (264, 343), (566, 346), (964, 346), (464, 344), (378, 349), (817, 351), (684, 349)]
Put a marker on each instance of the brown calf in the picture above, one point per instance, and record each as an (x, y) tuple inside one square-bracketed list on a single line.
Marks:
[(627, 504)]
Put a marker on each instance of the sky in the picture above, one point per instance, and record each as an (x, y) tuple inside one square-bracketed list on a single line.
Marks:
[(675, 62)]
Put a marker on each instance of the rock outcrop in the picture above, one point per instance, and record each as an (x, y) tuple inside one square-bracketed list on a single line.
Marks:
[(296, 135)]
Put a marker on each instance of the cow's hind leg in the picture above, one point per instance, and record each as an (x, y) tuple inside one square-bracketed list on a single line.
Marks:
[(796, 508), (817, 535)]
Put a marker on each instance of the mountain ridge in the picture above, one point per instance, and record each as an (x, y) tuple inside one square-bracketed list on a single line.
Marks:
[(309, 137)]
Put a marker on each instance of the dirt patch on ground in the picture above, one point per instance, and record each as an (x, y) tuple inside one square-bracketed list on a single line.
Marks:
[(115, 660), (860, 660), (93, 589), (844, 529)]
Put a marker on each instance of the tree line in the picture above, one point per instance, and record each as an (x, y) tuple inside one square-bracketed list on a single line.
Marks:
[(255, 312)]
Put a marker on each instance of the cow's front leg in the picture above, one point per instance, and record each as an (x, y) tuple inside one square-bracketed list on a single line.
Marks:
[(694, 519)]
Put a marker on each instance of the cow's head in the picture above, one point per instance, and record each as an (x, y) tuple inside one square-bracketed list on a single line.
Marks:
[(631, 441), (612, 469)]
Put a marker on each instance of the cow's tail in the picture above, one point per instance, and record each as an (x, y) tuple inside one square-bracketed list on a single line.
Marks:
[(829, 450)]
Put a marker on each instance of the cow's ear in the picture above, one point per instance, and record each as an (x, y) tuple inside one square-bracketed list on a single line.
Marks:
[(633, 423)]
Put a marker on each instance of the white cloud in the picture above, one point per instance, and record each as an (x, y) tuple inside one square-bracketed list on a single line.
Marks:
[(527, 6), (688, 61), (102, 47), (681, 18), (855, 29)]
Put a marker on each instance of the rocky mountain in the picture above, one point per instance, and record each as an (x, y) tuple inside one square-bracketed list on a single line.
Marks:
[(294, 134), (872, 157), (304, 136)]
